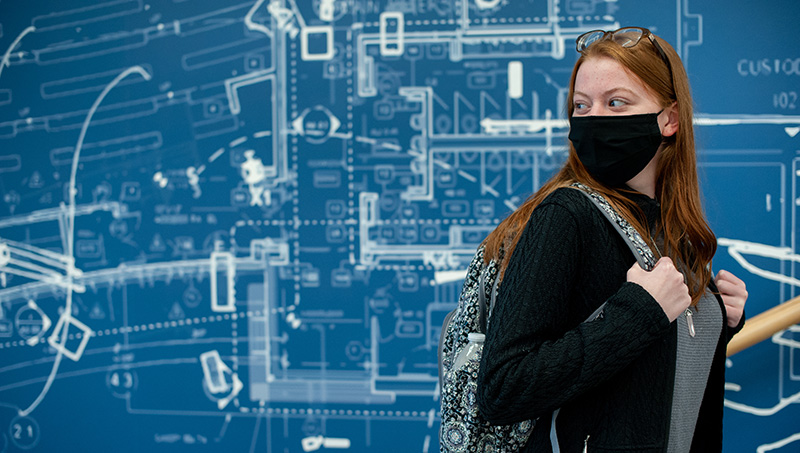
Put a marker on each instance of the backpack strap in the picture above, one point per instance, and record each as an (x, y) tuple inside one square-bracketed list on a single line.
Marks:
[(483, 307), (635, 242)]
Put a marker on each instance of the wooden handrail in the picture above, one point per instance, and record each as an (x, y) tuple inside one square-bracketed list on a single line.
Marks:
[(766, 324)]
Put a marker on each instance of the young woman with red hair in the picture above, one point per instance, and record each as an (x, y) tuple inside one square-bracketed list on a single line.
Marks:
[(648, 375)]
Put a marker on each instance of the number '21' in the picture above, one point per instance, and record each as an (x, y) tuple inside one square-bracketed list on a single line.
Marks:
[(19, 430)]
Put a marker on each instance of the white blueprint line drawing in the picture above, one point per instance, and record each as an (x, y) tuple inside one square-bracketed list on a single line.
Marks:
[(6, 56), (778, 444), (738, 248), (288, 336), (66, 317)]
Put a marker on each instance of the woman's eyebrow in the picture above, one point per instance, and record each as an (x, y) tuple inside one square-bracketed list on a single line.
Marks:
[(608, 93)]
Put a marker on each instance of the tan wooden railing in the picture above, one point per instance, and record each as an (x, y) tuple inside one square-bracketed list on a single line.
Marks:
[(766, 324)]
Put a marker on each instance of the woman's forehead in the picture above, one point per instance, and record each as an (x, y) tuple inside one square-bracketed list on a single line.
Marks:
[(602, 74)]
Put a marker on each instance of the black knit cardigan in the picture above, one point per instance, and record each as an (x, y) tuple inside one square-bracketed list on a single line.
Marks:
[(613, 378)]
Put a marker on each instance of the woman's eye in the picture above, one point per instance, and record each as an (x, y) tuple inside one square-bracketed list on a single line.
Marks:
[(579, 106), (616, 103)]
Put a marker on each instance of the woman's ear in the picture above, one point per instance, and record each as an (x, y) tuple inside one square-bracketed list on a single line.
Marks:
[(669, 128)]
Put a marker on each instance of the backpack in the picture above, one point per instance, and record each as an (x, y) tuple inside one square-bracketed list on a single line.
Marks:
[(463, 429)]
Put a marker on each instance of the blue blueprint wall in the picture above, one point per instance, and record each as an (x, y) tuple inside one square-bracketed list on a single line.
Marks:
[(237, 226)]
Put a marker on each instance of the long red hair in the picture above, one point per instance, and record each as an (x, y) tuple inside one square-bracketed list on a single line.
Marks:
[(688, 238)]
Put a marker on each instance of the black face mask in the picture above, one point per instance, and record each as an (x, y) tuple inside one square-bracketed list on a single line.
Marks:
[(614, 149)]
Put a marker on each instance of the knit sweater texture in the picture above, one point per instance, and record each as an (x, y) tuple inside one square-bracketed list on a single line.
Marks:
[(613, 377)]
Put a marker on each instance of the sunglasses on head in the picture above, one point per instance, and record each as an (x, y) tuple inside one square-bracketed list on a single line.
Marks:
[(626, 37)]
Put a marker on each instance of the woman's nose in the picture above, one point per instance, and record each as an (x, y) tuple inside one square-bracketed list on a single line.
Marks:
[(599, 110)]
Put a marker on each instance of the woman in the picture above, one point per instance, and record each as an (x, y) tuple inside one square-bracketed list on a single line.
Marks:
[(649, 374)]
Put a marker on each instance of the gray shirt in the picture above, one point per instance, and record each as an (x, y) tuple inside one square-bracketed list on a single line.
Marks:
[(694, 357)]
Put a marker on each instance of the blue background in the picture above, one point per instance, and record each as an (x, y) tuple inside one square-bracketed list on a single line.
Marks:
[(327, 168)]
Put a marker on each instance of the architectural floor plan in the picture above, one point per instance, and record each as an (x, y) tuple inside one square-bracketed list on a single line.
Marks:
[(237, 226)]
